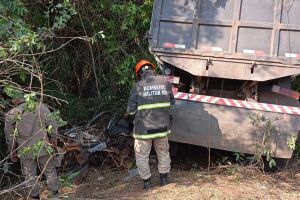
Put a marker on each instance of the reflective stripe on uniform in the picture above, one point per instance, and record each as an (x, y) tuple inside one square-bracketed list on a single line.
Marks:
[(154, 105), (152, 136)]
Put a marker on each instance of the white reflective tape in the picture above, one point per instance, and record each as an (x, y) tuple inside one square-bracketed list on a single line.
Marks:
[(216, 49), (246, 104), (249, 51), (227, 102), (287, 109), (180, 46), (195, 98), (257, 107), (297, 110), (236, 103), (178, 94), (171, 45), (266, 106), (205, 98), (215, 100), (277, 108), (290, 55), (185, 97)]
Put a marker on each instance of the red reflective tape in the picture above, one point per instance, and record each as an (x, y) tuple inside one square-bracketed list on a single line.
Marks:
[(231, 102), (260, 107), (221, 102), (169, 45), (285, 91), (246, 104), (200, 98), (271, 107), (260, 53)]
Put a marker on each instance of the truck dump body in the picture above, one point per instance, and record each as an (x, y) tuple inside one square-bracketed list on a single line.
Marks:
[(229, 54), (234, 39)]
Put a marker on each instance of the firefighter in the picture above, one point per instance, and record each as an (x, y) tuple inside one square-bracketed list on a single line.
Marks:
[(28, 139), (149, 102)]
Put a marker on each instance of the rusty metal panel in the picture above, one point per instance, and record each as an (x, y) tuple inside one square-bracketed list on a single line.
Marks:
[(229, 128), (178, 8), (290, 12), (289, 42), (244, 30), (258, 10), (216, 10), (213, 36), (176, 33), (262, 36)]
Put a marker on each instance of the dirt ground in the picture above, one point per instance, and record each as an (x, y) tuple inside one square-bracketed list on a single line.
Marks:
[(223, 182)]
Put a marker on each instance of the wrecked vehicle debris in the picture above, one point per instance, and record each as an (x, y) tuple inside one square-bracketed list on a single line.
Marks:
[(81, 144)]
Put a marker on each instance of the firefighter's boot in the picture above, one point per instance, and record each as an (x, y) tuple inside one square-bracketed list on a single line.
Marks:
[(163, 179), (147, 184)]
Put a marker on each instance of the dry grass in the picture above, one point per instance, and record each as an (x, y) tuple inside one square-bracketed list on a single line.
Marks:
[(225, 182)]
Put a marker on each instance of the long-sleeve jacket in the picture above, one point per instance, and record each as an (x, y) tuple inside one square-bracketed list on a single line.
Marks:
[(27, 131), (150, 100)]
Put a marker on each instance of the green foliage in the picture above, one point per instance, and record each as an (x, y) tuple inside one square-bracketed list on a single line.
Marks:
[(12, 92), (265, 125), (66, 179), (78, 109), (125, 73), (57, 117), (293, 145), (30, 102), (35, 149), (239, 157), (3, 53), (296, 83), (14, 7), (63, 12), (62, 47), (25, 42), (64, 182), (292, 142)]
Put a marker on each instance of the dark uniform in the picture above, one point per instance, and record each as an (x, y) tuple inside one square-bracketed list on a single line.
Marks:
[(150, 100)]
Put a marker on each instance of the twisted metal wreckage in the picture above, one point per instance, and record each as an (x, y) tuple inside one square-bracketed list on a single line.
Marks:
[(80, 144)]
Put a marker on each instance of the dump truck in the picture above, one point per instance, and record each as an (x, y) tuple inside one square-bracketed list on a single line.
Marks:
[(231, 62)]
